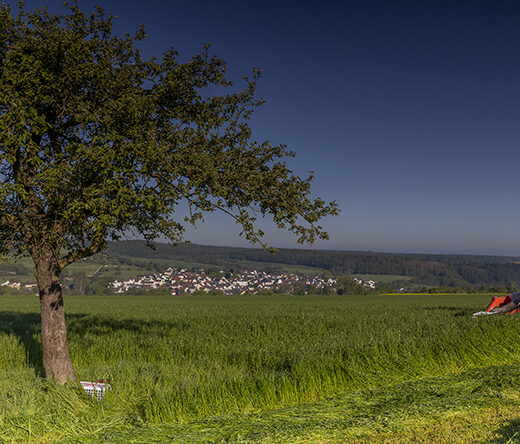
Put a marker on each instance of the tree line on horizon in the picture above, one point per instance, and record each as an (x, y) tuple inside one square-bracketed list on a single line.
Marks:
[(426, 269)]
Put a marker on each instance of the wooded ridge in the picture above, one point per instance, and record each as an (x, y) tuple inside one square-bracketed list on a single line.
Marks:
[(427, 269)]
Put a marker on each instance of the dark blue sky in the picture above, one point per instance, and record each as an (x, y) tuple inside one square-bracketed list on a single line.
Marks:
[(407, 111)]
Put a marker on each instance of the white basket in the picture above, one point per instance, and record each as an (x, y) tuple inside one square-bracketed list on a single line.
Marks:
[(95, 389)]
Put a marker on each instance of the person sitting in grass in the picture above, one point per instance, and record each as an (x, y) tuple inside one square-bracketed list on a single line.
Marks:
[(515, 303)]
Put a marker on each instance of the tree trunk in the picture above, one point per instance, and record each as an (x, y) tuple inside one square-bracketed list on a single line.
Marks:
[(56, 360)]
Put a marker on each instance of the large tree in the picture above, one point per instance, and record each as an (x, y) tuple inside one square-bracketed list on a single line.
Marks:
[(97, 141)]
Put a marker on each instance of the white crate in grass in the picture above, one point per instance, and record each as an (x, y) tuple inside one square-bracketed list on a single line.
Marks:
[(97, 389)]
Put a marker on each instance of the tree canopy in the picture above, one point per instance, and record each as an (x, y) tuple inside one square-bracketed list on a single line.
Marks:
[(96, 141)]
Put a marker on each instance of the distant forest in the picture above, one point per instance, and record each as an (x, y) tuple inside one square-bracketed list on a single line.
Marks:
[(426, 269)]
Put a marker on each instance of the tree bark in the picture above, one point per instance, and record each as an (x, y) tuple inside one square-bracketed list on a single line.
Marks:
[(56, 360)]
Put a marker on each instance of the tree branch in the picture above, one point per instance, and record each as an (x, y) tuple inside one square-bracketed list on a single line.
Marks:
[(82, 253)]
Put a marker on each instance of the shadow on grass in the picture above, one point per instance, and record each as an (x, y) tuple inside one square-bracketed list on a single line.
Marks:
[(26, 326), (78, 323), (508, 434)]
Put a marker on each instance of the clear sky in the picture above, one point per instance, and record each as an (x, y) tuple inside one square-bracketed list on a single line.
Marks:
[(407, 111)]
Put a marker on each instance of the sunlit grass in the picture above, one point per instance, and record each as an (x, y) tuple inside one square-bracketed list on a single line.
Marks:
[(178, 359)]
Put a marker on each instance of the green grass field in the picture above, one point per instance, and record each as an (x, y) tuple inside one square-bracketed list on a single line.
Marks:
[(108, 268), (277, 368)]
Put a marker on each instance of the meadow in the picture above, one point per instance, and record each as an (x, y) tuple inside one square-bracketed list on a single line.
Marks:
[(261, 368)]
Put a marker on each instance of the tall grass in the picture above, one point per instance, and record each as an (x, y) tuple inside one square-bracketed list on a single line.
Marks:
[(181, 358)]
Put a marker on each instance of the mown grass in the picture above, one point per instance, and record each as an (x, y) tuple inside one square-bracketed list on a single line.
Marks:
[(476, 406), (181, 360)]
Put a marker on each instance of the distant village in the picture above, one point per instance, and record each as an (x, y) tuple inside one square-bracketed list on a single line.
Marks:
[(182, 281), (367, 284), (252, 281)]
